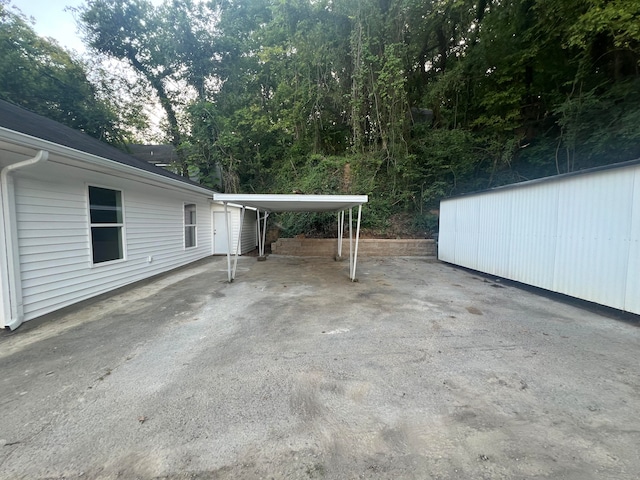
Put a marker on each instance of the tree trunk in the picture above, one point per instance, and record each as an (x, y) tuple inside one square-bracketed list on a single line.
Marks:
[(165, 102)]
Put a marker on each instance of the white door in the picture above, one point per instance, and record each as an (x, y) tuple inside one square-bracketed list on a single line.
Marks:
[(220, 238)]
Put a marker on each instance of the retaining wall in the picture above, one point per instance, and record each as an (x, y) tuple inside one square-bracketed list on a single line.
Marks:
[(328, 247)]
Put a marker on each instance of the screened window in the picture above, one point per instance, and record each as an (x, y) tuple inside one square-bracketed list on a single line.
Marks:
[(189, 225), (105, 211)]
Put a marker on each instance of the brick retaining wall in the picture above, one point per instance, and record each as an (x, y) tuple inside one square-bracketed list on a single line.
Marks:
[(374, 247)]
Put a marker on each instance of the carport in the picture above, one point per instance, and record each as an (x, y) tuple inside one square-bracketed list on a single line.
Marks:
[(270, 203)]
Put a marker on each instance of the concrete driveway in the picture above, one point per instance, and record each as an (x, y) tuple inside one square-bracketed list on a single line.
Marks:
[(420, 370)]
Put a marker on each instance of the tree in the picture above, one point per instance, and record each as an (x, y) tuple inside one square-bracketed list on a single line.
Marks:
[(169, 47), (405, 100), (41, 76)]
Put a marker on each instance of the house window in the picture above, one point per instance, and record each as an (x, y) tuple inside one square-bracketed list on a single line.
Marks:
[(189, 225), (105, 211)]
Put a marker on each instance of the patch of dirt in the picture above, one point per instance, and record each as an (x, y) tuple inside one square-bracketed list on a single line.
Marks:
[(400, 226)]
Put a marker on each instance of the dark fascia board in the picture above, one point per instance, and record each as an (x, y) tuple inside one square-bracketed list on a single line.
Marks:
[(553, 178), (13, 117)]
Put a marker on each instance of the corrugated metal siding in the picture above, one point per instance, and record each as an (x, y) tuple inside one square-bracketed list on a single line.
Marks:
[(54, 240), (467, 225), (494, 235), (632, 291), (249, 232), (447, 232), (578, 236), (594, 215), (533, 235)]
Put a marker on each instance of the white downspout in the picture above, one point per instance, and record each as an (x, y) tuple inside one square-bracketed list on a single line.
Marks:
[(11, 251)]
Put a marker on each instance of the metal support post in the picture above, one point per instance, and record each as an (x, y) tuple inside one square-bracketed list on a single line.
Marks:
[(351, 243), (239, 243), (262, 236), (226, 221), (340, 233), (259, 235), (264, 232), (355, 256)]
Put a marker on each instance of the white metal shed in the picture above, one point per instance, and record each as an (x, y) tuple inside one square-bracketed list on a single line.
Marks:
[(576, 234)]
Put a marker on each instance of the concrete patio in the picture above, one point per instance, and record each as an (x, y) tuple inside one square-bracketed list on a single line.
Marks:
[(419, 370)]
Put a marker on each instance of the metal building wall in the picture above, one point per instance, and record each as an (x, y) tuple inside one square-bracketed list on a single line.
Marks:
[(574, 234)]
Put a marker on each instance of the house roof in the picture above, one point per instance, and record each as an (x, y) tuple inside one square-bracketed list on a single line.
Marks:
[(18, 119), (161, 155)]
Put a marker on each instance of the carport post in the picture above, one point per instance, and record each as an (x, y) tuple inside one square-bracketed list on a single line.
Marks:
[(340, 232), (264, 231), (350, 242), (226, 221), (259, 235), (239, 244), (355, 256), (262, 234)]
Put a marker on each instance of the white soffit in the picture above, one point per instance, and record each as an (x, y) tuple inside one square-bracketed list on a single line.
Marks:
[(293, 203)]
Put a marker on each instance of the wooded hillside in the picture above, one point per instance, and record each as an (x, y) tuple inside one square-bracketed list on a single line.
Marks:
[(405, 100)]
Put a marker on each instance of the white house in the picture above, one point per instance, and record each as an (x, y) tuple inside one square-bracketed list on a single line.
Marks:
[(80, 218)]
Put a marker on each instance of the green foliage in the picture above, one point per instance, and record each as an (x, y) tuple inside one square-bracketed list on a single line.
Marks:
[(517, 89), (313, 175), (617, 20), (408, 101), (41, 76), (166, 46), (599, 128), (427, 223), (445, 160)]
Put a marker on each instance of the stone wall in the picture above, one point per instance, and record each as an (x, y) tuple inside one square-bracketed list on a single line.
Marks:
[(328, 247)]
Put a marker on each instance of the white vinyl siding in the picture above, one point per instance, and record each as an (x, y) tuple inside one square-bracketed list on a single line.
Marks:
[(249, 240), (55, 243), (578, 235)]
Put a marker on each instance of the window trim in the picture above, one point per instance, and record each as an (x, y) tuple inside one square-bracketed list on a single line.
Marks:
[(122, 226), (186, 225)]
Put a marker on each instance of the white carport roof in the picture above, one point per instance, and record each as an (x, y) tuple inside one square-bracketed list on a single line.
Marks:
[(269, 203), (294, 203)]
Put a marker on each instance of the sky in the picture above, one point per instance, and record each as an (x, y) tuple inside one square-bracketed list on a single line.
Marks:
[(52, 20)]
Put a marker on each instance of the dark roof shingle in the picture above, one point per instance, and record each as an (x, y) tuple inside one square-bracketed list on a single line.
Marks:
[(24, 121)]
